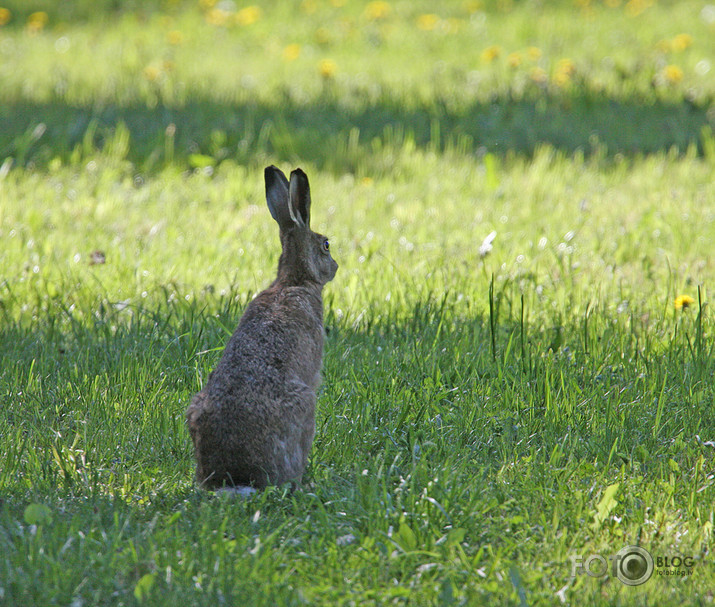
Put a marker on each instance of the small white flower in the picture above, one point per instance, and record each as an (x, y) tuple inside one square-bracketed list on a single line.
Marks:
[(486, 246)]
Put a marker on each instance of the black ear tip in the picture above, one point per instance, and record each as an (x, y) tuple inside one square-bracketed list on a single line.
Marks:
[(273, 175)]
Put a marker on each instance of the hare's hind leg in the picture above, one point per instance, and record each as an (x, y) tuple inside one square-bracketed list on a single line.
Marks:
[(194, 413), (223, 460)]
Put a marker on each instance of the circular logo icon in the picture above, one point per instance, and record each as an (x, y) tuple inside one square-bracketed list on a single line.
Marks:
[(634, 565)]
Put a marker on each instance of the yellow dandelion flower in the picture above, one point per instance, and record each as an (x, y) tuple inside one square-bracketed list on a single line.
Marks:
[(377, 10), (672, 74), (664, 46), (566, 66), (309, 6), (490, 53), (427, 22), (217, 16), (513, 60), (367, 181), (175, 37), (565, 69), (5, 16), (681, 42), (683, 302), (291, 52), (472, 6), (636, 7), (248, 15), (533, 53), (327, 68), (538, 75), (561, 79), (323, 35), (152, 73), (37, 21)]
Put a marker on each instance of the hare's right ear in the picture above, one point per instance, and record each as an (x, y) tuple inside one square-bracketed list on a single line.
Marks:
[(300, 197), (277, 196)]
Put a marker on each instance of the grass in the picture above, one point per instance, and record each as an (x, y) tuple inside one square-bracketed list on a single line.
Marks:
[(483, 420)]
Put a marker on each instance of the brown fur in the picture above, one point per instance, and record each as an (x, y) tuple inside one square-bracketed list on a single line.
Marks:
[(254, 421)]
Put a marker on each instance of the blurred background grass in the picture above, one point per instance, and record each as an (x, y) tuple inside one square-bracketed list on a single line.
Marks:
[(329, 81)]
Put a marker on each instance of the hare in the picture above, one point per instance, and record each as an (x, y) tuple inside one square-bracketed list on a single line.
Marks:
[(253, 423)]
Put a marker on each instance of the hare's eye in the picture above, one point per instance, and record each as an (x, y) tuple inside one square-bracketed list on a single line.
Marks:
[(326, 245)]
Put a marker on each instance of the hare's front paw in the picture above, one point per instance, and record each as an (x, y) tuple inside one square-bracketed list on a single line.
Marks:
[(241, 491)]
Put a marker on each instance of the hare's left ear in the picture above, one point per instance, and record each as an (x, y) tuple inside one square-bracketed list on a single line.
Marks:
[(299, 199), (277, 197)]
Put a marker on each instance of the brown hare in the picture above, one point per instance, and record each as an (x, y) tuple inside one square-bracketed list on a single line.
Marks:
[(253, 423)]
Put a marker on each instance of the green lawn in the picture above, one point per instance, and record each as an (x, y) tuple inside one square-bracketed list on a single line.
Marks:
[(486, 419)]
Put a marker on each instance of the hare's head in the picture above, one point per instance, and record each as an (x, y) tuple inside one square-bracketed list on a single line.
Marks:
[(306, 255)]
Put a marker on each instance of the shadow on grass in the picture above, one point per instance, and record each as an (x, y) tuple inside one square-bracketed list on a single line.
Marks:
[(336, 138), (78, 11), (428, 377)]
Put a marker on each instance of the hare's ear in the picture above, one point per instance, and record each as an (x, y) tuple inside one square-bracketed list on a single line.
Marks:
[(300, 197), (277, 195)]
